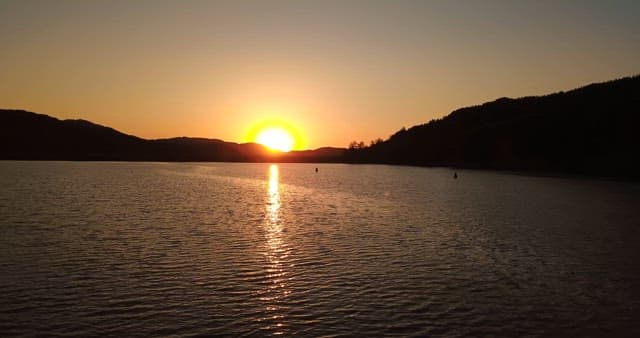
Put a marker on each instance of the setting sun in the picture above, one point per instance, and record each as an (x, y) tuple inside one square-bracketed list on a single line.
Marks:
[(276, 134), (275, 138)]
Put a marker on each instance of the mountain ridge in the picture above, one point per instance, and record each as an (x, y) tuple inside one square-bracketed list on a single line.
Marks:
[(588, 130), (26, 135)]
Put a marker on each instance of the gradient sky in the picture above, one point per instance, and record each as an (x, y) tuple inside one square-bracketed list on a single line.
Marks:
[(337, 70)]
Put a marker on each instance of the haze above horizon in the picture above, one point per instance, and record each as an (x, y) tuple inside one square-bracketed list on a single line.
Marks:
[(337, 71)]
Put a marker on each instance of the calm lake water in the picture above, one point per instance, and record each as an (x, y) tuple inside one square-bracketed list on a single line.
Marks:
[(155, 249)]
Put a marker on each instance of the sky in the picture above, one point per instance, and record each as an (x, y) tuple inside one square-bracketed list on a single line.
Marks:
[(337, 71)]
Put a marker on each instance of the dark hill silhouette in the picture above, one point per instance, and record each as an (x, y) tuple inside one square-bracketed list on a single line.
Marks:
[(25, 135), (30, 136), (591, 130), (320, 155)]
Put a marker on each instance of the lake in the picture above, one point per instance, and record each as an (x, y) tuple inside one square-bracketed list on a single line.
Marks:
[(188, 249)]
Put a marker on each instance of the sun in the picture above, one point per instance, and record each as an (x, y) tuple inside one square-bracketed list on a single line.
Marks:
[(276, 134), (276, 139)]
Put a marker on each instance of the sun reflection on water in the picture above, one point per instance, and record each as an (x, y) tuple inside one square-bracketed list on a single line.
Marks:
[(276, 255), (274, 195)]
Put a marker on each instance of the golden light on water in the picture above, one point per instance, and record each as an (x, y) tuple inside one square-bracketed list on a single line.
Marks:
[(276, 253), (274, 195)]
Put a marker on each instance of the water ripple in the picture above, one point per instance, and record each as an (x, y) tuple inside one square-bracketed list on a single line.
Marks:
[(152, 249)]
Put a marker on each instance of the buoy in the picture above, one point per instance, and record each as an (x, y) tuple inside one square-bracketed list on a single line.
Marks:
[(316, 169)]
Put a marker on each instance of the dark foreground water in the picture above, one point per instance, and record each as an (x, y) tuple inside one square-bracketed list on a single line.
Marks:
[(153, 249)]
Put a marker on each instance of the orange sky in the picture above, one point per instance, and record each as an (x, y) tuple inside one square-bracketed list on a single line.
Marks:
[(336, 70)]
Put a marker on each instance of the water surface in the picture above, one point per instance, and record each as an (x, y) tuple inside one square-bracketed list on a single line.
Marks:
[(156, 249)]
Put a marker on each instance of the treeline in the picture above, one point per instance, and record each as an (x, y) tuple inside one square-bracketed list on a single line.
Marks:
[(590, 130)]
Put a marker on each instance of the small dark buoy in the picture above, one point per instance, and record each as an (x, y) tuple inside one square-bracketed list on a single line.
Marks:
[(455, 175), (316, 169)]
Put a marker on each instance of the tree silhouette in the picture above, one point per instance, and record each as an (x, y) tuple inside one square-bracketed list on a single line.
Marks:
[(589, 130)]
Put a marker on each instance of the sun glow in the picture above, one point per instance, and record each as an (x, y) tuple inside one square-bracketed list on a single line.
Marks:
[(275, 138), (276, 134)]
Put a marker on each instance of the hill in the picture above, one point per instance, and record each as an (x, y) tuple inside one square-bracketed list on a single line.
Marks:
[(590, 130), (29, 136)]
